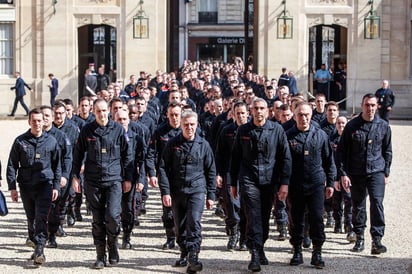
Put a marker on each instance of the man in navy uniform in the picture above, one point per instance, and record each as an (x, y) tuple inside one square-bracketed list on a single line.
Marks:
[(261, 165), (186, 172), (312, 166), (35, 161), (108, 171), (20, 92), (365, 157)]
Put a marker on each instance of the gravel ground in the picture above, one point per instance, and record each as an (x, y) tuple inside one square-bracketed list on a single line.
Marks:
[(75, 253)]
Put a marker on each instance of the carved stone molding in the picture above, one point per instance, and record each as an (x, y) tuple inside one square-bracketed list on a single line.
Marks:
[(96, 19), (98, 2), (328, 2)]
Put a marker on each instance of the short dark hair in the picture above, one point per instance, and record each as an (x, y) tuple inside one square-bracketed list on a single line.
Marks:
[(68, 101), (368, 95), (35, 111)]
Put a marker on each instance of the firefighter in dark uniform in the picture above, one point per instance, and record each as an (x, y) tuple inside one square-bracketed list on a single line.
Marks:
[(35, 157), (186, 173), (108, 169), (138, 149), (234, 227), (67, 194), (365, 157), (66, 165), (259, 147), (161, 136), (313, 166)]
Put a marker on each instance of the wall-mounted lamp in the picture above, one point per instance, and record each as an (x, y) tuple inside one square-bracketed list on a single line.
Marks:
[(372, 24), (140, 23), (285, 24)]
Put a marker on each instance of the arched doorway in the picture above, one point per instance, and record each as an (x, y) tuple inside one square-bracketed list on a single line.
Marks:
[(328, 45), (97, 45)]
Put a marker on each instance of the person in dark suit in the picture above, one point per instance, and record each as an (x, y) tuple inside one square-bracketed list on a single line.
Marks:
[(54, 88), (20, 92)]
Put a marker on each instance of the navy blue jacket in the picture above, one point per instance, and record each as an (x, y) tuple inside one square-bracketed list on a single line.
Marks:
[(157, 144), (224, 146), (54, 88), (19, 87), (187, 167), (313, 163), (257, 151), (365, 147), (108, 156), (138, 150), (34, 161), (66, 150)]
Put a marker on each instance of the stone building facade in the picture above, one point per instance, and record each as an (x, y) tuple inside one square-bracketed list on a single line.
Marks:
[(63, 37)]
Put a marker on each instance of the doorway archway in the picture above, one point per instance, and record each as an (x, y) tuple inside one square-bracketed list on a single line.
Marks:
[(328, 44), (97, 45)]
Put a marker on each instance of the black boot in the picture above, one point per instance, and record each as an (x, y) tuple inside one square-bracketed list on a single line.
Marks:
[(142, 209), (60, 231), (330, 222), (78, 214), (39, 257), (316, 260), (359, 244), (306, 239), (283, 232), (262, 257), (297, 258), (171, 238), (254, 264), (234, 235), (113, 250), (182, 262), (338, 228), (377, 246), (70, 218), (52, 241), (194, 264), (101, 257), (126, 241)]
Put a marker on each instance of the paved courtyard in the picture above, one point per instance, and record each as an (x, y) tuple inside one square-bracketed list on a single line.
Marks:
[(75, 253)]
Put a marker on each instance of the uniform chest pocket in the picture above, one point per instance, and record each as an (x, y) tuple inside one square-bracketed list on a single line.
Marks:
[(92, 149), (115, 151), (26, 155)]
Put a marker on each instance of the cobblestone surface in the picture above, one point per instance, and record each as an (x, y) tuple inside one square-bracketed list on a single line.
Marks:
[(75, 253)]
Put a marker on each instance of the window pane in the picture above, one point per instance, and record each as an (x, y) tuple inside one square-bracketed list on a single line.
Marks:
[(6, 48), (208, 5)]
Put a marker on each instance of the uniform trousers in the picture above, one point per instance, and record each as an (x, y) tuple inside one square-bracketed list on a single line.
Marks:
[(374, 185), (314, 201), (36, 202), (187, 212), (257, 201), (105, 204)]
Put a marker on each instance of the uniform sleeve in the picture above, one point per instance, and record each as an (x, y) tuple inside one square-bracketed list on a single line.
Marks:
[(56, 166), (328, 161), (342, 149), (235, 160), (140, 159), (79, 151), (284, 159), (387, 150), (210, 172), (67, 158), (164, 183), (151, 156), (12, 166), (127, 157)]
